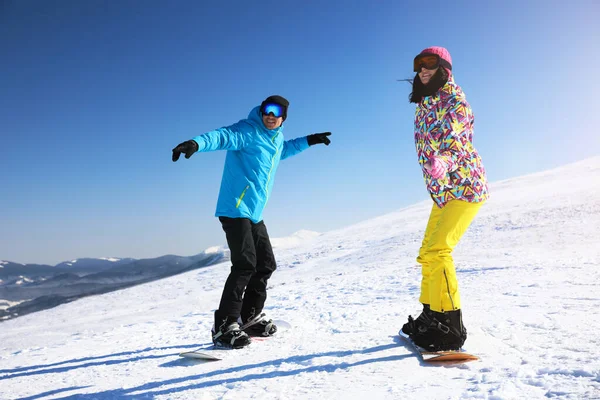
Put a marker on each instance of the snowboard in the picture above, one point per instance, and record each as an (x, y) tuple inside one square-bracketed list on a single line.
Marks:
[(213, 353), (440, 357)]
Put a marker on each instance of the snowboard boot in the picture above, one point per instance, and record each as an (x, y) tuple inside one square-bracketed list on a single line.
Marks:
[(444, 331), (227, 333), (259, 326), (421, 323)]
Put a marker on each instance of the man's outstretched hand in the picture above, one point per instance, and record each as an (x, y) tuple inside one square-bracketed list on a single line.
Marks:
[(317, 138), (188, 148)]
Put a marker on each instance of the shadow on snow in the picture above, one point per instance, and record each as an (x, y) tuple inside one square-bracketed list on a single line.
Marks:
[(88, 362), (146, 390)]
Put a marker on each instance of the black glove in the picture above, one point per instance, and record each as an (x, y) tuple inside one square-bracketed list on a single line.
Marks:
[(189, 148), (317, 138)]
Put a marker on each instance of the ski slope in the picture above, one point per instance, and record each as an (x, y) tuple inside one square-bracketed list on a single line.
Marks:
[(528, 268)]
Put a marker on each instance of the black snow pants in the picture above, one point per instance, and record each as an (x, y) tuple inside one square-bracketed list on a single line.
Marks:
[(252, 262)]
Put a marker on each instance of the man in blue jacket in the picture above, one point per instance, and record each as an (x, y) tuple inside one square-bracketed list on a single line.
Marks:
[(254, 148)]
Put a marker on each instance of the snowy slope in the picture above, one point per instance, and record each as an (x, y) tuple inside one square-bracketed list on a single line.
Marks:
[(529, 270)]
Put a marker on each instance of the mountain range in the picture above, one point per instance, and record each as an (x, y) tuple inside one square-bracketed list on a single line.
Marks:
[(26, 288)]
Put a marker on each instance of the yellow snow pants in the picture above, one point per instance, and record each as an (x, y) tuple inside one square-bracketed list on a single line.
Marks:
[(439, 287)]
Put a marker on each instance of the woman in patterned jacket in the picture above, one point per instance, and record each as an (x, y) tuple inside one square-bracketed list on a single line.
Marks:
[(456, 180)]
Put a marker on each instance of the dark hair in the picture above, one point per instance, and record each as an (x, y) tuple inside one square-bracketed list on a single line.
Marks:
[(420, 90)]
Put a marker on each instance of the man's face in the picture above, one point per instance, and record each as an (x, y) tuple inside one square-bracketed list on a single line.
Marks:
[(272, 122)]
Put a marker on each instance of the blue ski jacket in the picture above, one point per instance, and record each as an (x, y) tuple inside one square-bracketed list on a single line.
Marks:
[(253, 154)]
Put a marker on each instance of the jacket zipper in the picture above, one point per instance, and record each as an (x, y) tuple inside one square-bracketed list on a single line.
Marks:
[(270, 169), (272, 162)]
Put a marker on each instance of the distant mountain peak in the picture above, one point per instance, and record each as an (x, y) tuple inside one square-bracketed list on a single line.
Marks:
[(8, 263), (214, 250)]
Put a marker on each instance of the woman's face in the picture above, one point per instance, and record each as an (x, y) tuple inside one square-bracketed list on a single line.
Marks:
[(426, 74)]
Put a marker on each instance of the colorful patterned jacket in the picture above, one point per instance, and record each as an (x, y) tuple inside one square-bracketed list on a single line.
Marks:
[(444, 128)]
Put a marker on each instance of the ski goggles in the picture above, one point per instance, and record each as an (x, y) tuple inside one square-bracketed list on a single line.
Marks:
[(427, 61), (273, 108)]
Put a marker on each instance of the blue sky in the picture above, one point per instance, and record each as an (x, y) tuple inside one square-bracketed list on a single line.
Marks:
[(95, 94)]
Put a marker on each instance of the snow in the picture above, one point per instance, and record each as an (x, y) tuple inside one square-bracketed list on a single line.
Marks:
[(111, 259), (4, 304), (529, 270), (293, 240), (215, 250), (23, 279)]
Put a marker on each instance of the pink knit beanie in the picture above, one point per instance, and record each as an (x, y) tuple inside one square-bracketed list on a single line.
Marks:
[(445, 59)]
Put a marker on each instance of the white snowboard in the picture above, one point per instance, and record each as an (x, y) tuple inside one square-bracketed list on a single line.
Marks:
[(212, 353)]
